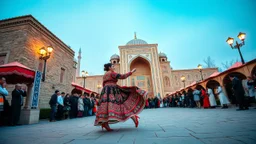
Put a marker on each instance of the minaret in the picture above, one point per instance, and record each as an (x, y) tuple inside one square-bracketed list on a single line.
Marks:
[(78, 63)]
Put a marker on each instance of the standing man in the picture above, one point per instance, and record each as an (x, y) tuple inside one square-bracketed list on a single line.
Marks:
[(60, 102), (74, 105), (3, 94), (17, 101), (238, 92), (53, 104)]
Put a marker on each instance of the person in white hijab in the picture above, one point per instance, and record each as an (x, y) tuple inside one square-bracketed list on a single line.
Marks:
[(223, 98), (211, 98)]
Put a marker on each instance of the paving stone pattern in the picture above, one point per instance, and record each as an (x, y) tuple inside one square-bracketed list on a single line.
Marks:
[(157, 126)]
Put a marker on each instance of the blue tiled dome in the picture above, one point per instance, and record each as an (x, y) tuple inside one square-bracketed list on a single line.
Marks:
[(136, 42), (115, 56), (162, 55)]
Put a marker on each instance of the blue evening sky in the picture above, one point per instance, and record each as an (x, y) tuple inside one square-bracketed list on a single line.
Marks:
[(186, 30)]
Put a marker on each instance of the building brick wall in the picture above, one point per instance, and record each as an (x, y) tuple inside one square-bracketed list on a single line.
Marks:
[(191, 76), (22, 43)]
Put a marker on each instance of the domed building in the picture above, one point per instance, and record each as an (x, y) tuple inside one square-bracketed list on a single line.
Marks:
[(154, 72)]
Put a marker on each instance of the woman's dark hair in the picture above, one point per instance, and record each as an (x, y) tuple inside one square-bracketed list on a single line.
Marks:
[(107, 66)]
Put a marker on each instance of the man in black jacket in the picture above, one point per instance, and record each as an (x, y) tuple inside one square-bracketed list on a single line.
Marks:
[(17, 101), (74, 105), (86, 105), (238, 92), (53, 104)]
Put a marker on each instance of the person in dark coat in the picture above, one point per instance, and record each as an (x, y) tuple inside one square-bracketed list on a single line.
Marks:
[(191, 98), (17, 101), (74, 105), (238, 92), (67, 106), (53, 105), (86, 105), (156, 101)]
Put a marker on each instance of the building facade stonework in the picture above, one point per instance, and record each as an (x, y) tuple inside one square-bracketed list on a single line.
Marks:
[(21, 39), (154, 72)]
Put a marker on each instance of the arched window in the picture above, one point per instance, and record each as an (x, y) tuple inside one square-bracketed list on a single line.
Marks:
[(196, 76), (133, 82), (166, 81)]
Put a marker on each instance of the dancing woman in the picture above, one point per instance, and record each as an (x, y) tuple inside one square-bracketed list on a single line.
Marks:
[(116, 103)]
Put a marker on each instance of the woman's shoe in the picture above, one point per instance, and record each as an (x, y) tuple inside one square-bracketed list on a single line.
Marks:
[(106, 126), (136, 121)]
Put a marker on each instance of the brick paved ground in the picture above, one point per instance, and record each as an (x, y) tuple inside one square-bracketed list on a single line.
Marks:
[(165, 125)]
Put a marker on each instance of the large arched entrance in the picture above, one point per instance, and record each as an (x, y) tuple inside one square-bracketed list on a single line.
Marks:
[(142, 77), (212, 84), (228, 85)]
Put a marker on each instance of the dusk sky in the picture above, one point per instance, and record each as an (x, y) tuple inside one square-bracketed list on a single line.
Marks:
[(188, 31)]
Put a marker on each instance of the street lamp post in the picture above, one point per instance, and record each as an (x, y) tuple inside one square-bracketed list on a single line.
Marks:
[(45, 54), (230, 41), (200, 67), (99, 87), (183, 79), (84, 75)]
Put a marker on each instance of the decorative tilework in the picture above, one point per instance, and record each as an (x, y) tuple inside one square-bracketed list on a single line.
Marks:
[(36, 89)]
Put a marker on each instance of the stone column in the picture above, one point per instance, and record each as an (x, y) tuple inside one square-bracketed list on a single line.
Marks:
[(29, 96), (28, 115)]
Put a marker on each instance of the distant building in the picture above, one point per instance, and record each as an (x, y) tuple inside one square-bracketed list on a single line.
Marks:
[(154, 73)]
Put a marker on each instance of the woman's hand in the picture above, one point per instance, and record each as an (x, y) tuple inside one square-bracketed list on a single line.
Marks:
[(134, 70)]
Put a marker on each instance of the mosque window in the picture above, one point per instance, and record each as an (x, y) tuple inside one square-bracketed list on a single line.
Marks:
[(196, 76), (166, 81), (62, 73), (114, 62), (133, 82), (141, 84)]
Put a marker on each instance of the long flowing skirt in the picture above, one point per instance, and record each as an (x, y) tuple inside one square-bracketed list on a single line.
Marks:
[(206, 103), (223, 99), (212, 100), (118, 104)]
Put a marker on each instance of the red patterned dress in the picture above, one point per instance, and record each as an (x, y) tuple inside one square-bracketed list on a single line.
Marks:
[(116, 103), (206, 102)]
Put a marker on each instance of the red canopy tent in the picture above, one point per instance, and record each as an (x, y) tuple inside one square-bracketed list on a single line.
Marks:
[(15, 72), (82, 89)]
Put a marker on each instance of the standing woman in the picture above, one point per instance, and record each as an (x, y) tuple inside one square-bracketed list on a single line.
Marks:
[(196, 94), (118, 104), (67, 106), (80, 106), (211, 98), (206, 103), (223, 99)]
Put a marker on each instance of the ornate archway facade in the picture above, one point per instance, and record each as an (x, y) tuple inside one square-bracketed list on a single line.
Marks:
[(130, 54)]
